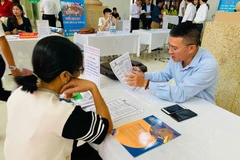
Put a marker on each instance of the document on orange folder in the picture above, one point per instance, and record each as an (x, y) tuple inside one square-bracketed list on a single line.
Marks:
[(143, 135)]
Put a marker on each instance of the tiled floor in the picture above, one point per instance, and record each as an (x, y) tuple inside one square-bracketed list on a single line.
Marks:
[(148, 60)]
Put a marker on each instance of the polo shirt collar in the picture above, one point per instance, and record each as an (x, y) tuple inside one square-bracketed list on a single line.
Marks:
[(195, 60)]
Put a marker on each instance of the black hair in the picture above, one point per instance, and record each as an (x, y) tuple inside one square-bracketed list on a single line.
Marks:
[(15, 1), (14, 19), (51, 56), (114, 8), (107, 10), (205, 1), (190, 1), (159, 1), (188, 31)]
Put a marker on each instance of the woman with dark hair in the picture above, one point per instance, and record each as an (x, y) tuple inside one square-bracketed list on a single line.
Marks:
[(40, 126), (18, 23), (201, 15), (24, 9)]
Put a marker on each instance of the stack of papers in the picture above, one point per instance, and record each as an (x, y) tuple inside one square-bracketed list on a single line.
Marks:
[(119, 109), (83, 99)]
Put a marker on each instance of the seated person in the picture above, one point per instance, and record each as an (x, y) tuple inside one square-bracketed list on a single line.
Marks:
[(115, 14), (104, 23), (165, 10), (50, 128), (18, 23), (194, 69), (173, 11)]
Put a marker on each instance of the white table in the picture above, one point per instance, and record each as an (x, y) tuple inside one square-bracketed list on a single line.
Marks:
[(212, 135), (171, 19), (22, 50), (154, 38), (110, 44)]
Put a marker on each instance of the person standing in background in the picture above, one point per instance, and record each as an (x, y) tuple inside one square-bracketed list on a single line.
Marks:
[(147, 17), (135, 11), (6, 51), (115, 14), (196, 4), (5, 10), (181, 11), (190, 12), (201, 15), (50, 11), (157, 15)]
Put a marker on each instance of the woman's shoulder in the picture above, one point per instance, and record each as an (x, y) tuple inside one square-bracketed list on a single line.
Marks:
[(26, 19)]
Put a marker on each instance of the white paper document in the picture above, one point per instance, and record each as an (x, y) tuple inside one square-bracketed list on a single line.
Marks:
[(92, 64), (143, 11), (43, 28), (85, 101), (119, 109), (122, 66)]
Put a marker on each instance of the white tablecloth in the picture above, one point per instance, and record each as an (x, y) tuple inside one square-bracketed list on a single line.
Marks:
[(212, 135), (110, 44), (171, 19), (154, 38), (22, 50)]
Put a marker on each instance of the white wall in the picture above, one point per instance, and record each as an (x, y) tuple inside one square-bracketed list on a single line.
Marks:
[(121, 5), (213, 8)]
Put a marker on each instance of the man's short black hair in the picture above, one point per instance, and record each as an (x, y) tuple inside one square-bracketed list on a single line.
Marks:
[(159, 1), (106, 10), (114, 8), (188, 31), (190, 1)]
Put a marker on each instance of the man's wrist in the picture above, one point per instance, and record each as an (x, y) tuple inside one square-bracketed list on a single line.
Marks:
[(146, 84)]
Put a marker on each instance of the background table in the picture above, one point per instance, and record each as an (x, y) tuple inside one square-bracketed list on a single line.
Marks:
[(22, 50), (212, 135), (154, 38), (171, 19), (110, 44)]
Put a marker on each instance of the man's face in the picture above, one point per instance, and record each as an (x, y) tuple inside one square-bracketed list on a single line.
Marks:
[(107, 14), (160, 4), (115, 11), (139, 2), (195, 2), (147, 2), (178, 50)]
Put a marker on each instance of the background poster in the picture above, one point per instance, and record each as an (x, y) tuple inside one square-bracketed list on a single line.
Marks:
[(227, 5), (74, 16)]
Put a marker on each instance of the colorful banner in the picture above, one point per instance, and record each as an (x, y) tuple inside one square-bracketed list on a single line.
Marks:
[(73, 15), (143, 135), (227, 5)]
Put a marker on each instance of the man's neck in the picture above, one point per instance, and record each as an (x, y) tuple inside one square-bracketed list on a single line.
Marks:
[(190, 58)]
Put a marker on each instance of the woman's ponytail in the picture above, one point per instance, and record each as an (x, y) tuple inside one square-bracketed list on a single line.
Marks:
[(28, 83)]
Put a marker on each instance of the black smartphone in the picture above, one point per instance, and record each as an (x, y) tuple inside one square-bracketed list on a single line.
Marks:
[(172, 109), (183, 115)]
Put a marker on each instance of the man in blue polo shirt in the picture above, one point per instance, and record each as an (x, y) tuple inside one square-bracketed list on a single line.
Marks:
[(157, 15), (194, 69)]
